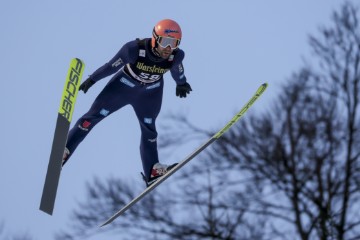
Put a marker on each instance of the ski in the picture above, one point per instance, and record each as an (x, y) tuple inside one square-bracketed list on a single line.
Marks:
[(64, 117), (216, 136)]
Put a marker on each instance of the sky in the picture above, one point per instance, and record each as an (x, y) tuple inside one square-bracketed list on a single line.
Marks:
[(231, 47)]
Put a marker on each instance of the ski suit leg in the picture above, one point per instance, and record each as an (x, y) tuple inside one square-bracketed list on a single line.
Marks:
[(147, 107), (113, 97)]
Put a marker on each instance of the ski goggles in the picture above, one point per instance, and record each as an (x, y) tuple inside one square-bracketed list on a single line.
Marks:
[(168, 41)]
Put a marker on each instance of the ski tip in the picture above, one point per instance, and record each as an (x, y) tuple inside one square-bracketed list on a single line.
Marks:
[(262, 88)]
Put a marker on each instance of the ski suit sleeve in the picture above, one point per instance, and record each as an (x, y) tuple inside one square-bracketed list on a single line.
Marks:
[(177, 69), (126, 54)]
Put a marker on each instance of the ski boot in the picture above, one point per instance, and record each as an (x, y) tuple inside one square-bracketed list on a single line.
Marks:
[(65, 156), (157, 171)]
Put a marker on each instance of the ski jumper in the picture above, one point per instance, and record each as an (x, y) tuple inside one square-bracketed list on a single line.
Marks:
[(139, 82)]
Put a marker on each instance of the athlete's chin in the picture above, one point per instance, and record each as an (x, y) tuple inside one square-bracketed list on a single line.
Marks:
[(165, 55)]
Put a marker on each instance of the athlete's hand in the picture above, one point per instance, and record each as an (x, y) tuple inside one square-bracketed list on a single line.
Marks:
[(183, 89), (86, 85)]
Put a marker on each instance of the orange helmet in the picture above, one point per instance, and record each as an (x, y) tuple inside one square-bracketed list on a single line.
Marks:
[(166, 33)]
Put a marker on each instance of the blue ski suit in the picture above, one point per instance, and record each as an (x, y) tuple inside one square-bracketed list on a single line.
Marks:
[(139, 82)]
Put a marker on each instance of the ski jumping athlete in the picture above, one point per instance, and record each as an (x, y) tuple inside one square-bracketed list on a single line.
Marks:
[(139, 66)]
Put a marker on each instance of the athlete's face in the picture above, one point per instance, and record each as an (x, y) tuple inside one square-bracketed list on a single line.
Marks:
[(164, 52)]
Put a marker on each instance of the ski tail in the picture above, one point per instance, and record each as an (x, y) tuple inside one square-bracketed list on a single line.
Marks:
[(65, 112)]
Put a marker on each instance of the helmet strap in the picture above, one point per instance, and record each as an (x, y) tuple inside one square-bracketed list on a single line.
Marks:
[(155, 36), (155, 51)]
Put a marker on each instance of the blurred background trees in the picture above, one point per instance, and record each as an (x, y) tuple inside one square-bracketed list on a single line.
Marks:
[(18, 235)]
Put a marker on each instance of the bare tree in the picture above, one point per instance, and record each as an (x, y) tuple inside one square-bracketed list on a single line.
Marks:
[(339, 51), (168, 214), (13, 236), (306, 150)]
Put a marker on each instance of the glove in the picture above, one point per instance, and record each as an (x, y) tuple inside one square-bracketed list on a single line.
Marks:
[(183, 89), (86, 85)]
